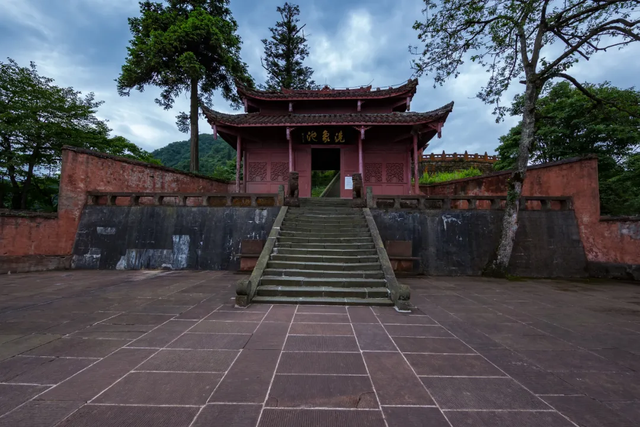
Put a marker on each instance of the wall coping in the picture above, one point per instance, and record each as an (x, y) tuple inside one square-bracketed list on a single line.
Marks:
[(142, 164), (510, 171), (635, 218), (8, 213)]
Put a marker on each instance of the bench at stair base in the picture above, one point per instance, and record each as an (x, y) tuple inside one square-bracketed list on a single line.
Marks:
[(250, 251), (399, 252)]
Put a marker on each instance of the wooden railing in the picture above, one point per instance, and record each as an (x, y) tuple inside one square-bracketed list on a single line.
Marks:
[(468, 202), (444, 157), (185, 199)]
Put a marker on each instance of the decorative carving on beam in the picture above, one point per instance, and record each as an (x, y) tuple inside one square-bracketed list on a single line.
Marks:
[(290, 107), (359, 105), (437, 126), (215, 132), (362, 129), (246, 104), (408, 103)]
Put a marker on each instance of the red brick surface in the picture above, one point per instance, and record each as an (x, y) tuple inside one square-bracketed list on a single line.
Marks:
[(604, 241)]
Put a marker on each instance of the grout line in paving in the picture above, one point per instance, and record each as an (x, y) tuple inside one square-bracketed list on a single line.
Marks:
[(510, 377), (412, 370), (373, 387), (266, 397), (226, 372), (142, 405)]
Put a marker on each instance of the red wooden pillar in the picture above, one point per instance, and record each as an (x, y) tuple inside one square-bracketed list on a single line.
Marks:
[(360, 161), (238, 162), (291, 166), (415, 164), (244, 171)]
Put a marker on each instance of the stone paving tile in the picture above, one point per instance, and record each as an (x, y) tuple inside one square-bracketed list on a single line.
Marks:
[(320, 329), (321, 343), (248, 379), (426, 331), (544, 383), (327, 309), (237, 316), (320, 318), (533, 342), (361, 315), (622, 357), (452, 365), (39, 414), (40, 370), (90, 382), (394, 381), (373, 337), (587, 412), (280, 313), (14, 395), (124, 332), (120, 416), (321, 363), (432, 345), (630, 410), (78, 347), (321, 391), (406, 320), (567, 360), (138, 319), (163, 334), (605, 386), (161, 388), (190, 361), (415, 417), (228, 416), (210, 341), (507, 419), (481, 393), (320, 418), (268, 336), (217, 327), (23, 344)]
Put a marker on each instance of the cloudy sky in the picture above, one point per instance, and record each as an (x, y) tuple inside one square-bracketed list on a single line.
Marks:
[(82, 43)]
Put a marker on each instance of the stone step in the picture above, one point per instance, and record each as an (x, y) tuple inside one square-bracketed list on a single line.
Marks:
[(363, 274), (325, 234), (334, 209), (320, 227), (325, 266), (325, 214), (306, 221), (324, 252), (323, 301), (325, 240), (322, 291), (287, 244), (325, 258), (337, 282)]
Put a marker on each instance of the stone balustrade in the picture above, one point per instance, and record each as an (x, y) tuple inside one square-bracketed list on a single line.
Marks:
[(249, 200), (468, 202)]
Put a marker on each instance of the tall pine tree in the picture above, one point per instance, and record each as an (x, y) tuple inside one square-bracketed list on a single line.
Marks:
[(185, 46), (285, 52)]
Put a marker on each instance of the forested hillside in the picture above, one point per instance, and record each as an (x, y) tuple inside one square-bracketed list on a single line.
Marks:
[(217, 158)]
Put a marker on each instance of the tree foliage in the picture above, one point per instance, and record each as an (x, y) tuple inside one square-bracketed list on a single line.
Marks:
[(531, 41), (285, 52), (568, 124), (37, 118), (217, 158), (185, 46)]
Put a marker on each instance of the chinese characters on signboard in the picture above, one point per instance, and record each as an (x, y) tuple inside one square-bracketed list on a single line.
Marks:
[(324, 136)]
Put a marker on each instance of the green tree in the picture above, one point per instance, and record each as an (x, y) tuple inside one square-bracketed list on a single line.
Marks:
[(507, 38), (568, 124), (37, 118), (285, 52), (185, 46)]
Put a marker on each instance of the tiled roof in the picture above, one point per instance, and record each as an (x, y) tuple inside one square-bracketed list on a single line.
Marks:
[(408, 88), (259, 119)]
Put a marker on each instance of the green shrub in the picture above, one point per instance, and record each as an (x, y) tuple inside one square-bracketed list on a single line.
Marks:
[(448, 176)]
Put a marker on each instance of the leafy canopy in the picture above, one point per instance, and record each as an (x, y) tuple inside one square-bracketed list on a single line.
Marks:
[(179, 42), (568, 124), (285, 52), (37, 118), (513, 39)]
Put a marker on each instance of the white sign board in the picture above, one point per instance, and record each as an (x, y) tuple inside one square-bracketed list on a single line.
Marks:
[(348, 183)]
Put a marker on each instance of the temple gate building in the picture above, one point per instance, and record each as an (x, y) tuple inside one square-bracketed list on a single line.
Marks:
[(371, 132)]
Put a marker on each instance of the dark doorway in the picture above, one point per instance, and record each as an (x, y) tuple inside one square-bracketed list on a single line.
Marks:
[(325, 168)]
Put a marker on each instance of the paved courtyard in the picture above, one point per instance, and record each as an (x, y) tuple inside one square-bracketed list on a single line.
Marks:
[(138, 348)]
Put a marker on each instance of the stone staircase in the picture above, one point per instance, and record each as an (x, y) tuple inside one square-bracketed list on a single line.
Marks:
[(324, 254)]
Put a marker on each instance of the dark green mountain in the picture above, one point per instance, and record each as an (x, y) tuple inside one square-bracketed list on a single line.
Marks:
[(217, 158)]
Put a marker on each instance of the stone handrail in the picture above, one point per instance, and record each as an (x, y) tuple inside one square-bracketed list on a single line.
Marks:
[(400, 294), (450, 202), (186, 199), (246, 289), (444, 157)]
